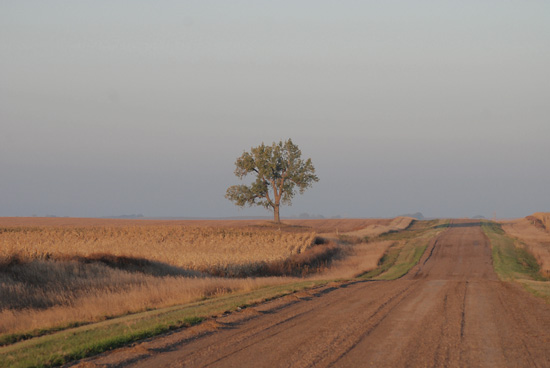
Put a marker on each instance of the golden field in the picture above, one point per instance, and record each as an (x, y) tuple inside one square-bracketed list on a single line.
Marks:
[(57, 271), (317, 225), (189, 248)]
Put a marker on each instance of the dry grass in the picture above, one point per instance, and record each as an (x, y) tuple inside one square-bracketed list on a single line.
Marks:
[(61, 274), (543, 218), (535, 238), (337, 225), (318, 225), (377, 229), (185, 247), (362, 257), (57, 271), (114, 293)]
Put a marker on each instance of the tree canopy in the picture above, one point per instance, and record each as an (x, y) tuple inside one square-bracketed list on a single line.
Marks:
[(279, 171)]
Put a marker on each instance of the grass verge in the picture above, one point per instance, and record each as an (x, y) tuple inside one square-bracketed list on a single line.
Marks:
[(386, 262), (509, 261), (84, 341), (514, 263), (407, 251), (12, 338)]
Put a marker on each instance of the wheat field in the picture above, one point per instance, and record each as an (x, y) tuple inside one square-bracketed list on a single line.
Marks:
[(51, 275), (55, 272), (300, 225), (187, 248)]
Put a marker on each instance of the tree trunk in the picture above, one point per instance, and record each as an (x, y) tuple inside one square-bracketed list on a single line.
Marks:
[(277, 219)]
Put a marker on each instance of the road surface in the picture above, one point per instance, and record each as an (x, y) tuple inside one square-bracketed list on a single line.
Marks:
[(449, 311)]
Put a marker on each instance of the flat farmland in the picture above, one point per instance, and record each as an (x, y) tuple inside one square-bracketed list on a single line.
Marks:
[(450, 310), (58, 272), (381, 293), (317, 225)]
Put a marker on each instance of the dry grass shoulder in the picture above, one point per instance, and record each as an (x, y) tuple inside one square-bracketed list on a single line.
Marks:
[(541, 219), (376, 229), (532, 234), (360, 258)]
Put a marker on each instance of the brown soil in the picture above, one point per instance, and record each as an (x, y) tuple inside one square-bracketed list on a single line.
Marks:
[(450, 310)]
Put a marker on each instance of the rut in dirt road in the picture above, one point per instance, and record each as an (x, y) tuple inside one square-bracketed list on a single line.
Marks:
[(449, 311)]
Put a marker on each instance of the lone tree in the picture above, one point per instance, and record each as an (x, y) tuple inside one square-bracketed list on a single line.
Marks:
[(279, 169)]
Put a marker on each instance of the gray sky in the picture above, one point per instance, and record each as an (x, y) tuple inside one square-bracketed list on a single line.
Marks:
[(118, 107)]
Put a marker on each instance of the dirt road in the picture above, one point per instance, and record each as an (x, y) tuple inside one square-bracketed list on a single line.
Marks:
[(449, 311)]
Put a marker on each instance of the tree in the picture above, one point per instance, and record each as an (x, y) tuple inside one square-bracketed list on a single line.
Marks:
[(279, 169)]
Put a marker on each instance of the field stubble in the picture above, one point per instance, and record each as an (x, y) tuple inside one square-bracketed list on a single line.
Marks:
[(53, 276)]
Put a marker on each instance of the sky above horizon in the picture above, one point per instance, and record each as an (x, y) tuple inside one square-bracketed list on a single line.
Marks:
[(110, 108)]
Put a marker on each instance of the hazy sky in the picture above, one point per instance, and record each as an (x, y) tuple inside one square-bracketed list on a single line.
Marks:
[(119, 107)]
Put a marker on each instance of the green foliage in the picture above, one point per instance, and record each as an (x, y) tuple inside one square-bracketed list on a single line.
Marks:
[(280, 172)]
